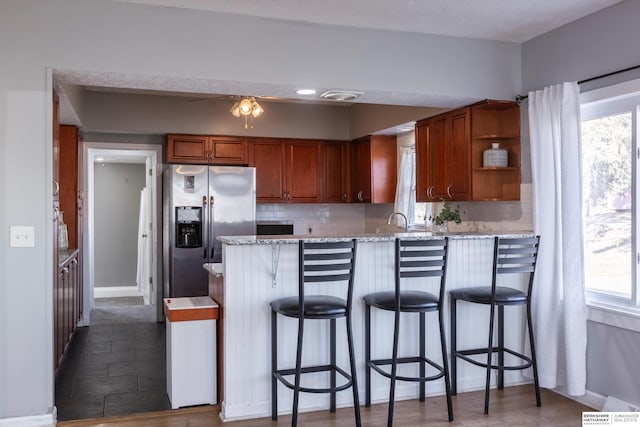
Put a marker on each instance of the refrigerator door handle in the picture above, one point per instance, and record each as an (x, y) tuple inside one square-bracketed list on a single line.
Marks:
[(204, 222), (211, 230)]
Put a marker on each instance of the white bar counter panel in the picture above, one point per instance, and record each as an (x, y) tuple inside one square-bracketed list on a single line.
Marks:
[(260, 269)]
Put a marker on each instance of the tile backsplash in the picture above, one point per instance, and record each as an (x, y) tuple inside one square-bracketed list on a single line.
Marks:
[(344, 218)]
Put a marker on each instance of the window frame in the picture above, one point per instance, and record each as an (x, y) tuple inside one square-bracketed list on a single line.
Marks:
[(602, 103)]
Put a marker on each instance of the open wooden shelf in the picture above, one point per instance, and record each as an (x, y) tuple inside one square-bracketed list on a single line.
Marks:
[(495, 122)]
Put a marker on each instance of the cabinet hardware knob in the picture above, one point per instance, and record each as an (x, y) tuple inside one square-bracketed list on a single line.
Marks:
[(449, 188)]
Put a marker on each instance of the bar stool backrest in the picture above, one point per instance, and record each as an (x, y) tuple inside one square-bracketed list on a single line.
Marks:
[(422, 258), (322, 262), (516, 255)]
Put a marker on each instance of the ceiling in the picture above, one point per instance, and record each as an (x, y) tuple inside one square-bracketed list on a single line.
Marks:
[(505, 20)]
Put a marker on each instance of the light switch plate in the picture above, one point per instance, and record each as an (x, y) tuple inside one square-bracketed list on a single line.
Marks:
[(22, 236)]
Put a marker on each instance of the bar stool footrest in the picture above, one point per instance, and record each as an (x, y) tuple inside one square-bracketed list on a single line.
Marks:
[(281, 373), (465, 355), (375, 365)]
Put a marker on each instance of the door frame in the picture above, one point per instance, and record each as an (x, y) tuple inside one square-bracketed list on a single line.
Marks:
[(153, 152)]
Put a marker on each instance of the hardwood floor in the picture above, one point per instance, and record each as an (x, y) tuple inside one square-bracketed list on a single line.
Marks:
[(513, 406)]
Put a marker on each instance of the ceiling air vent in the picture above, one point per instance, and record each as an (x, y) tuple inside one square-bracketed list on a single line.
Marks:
[(340, 95)]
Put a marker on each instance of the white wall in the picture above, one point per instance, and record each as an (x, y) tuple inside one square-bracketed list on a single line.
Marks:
[(165, 44), (117, 188), (600, 43)]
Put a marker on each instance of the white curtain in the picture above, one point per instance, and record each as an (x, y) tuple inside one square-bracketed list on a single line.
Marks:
[(559, 304), (406, 186)]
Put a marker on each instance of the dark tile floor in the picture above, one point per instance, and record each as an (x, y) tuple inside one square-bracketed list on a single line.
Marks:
[(113, 369)]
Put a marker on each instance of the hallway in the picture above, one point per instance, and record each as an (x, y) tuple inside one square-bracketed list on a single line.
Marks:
[(114, 367)]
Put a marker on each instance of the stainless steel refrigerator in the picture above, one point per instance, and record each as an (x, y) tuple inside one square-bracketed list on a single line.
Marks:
[(201, 203)]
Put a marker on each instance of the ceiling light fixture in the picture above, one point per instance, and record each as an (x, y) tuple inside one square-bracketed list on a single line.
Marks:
[(306, 91), (248, 108)]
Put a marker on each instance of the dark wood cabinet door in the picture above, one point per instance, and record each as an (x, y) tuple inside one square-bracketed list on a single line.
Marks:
[(225, 150), (458, 159), (361, 189), (438, 159), (423, 171), (336, 171), (384, 168), (268, 159), (303, 172), (187, 149), (69, 144)]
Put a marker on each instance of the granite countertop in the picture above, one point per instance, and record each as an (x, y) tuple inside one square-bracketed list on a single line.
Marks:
[(366, 237)]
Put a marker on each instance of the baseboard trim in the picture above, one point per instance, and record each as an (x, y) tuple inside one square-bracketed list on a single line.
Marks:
[(590, 398), (115, 291), (47, 420)]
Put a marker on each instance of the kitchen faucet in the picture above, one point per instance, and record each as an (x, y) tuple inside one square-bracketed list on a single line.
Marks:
[(406, 223)]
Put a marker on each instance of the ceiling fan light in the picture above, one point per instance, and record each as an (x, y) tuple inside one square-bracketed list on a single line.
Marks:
[(235, 110), (245, 106), (256, 109)]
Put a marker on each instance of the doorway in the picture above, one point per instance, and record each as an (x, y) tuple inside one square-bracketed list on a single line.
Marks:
[(105, 201), (115, 364)]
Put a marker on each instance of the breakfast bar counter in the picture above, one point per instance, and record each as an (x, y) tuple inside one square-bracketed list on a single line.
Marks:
[(258, 269)]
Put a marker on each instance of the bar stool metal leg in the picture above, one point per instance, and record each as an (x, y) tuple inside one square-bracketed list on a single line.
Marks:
[(367, 355), (394, 367), (445, 367), (296, 390), (534, 363), (500, 346), (423, 364), (352, 362), (454, 348), (274, 366), (489, 357), (332, 358)]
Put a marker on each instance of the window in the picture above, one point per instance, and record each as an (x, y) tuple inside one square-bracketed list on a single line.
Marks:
[(609, 183)]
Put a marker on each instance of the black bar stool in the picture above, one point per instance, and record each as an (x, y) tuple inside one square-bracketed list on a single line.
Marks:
[(510, 255), (413, 259), (318, 262)]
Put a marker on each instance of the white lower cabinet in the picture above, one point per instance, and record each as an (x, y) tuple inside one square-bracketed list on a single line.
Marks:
[(191, 351)]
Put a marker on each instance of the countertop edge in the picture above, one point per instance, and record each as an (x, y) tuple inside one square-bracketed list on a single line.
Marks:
[(382, 237)]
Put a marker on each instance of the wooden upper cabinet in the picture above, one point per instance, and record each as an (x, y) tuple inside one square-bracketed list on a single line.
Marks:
[(337, 171), (304, 171), (287, 171), (449, 151), (457, 155), (442, 157), (227, 150), (423, 174), (202, 149), (69, 178), (268, 157), (374, 169), (192, 149)]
